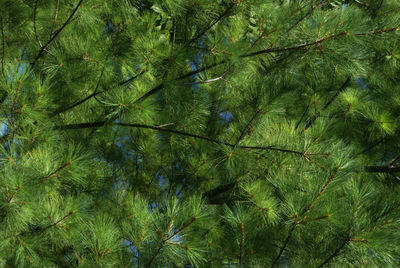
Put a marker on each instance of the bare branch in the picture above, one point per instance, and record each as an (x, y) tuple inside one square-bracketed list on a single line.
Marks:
[(209, 80)]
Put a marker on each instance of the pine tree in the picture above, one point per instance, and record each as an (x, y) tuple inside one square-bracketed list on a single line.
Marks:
[(200, 133)]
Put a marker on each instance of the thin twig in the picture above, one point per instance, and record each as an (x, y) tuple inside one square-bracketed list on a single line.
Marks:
[(57, 222), (34, 24), (13, 195), (54, 173), (359, 2), (165, 240), (305, 16), (83, 100), (162, 85), (323, 189), (241, 244), (395, 160), (371, 147), (283, 49), (55, 19)]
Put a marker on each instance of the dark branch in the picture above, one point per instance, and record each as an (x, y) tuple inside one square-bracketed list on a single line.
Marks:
[(211, 25), (131, 79), (271, 50), (40, 54), (161, 129), (3, 47), (344, 85), (264, 51), (302, 116), (213, 194), (382, 169), (247, 126), (95, 93), (372, 146), (161, 86), (336, 252)]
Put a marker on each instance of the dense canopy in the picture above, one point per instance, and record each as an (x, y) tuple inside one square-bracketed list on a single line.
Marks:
[(199, 133)]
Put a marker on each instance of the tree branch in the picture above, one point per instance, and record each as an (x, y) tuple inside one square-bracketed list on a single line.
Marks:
[(371, 147), (57, 222), (3, 47), (382, 169), (247, 126), (323, 189), (319, 41), (336, 252), (305, 211), (40, 54), (302, 116), (161, 129), (56, 171), (161, 86), (211, 25), (210, 195), (344, 85), (282, 49), (165, 240), (95, 93), (284, 245), (241, 244)]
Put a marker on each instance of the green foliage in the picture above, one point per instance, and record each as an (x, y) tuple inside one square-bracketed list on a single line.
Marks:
[(199, 133)]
